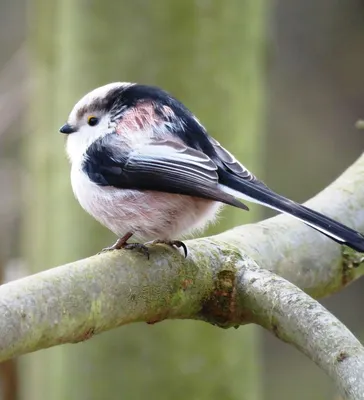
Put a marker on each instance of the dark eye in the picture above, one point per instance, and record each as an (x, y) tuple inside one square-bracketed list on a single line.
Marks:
[(92, 121)]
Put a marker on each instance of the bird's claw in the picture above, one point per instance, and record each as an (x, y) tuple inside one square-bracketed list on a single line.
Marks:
[(109, 248), (172, 243), (121, 244), (128, 246), (142, 248)]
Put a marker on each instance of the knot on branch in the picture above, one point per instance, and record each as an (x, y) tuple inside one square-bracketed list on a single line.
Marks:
[(220, 307)]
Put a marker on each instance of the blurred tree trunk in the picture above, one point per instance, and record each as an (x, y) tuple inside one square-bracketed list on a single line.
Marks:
[(210, 55)]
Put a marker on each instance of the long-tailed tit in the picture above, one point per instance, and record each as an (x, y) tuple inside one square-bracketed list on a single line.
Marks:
[(144, 166)]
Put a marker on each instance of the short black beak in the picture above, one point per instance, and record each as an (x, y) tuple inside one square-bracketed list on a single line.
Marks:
[(67, 129)]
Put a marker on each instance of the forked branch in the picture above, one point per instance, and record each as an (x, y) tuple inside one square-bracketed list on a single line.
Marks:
[(224, 281)]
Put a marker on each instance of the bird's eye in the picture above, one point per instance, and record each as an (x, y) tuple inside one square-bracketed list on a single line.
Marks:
[(92, 121)]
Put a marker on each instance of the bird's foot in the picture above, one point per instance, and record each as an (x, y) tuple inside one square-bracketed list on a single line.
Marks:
[(119, 244), (110, 248), (142, 248), (127, 246), (172, 243)]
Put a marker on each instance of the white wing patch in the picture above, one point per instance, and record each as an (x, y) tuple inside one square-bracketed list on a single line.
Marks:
[(231, 162), (177, 157)]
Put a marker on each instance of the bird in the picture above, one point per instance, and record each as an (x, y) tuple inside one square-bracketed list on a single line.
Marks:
[(144, 166)]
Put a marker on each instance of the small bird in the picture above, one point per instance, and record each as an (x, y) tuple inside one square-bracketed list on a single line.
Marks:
[(144, 166)]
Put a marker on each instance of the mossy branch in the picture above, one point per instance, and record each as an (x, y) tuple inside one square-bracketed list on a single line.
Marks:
[(224, 281)]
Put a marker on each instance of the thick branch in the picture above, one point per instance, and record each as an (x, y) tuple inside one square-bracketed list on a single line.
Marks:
[(305, 257), (72, 302), (296, 318)]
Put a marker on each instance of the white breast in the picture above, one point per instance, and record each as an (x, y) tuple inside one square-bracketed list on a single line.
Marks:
[(148, 215)]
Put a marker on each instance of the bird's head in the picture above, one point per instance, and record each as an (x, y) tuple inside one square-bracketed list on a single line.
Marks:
[(93, 116), (135, 112)]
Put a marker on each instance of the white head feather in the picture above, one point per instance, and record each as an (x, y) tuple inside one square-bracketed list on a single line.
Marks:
[(78, 142)]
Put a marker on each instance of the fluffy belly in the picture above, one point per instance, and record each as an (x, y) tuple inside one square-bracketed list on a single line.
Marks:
[(148, 215)]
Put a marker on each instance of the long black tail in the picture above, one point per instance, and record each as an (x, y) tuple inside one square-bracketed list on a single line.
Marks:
[(259, 193)]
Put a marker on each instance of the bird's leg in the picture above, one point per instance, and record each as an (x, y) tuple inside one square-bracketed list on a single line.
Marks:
[(172, 243), (121, 243)]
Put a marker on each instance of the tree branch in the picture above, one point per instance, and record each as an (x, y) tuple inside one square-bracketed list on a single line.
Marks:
[(296, 318), (305, 257), (223, 281)]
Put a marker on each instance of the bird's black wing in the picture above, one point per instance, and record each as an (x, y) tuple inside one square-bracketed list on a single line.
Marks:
[(232, 165), (236, 177), (163, 165)]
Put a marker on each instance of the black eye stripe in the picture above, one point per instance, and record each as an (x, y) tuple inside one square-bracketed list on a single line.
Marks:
[(117, 112)]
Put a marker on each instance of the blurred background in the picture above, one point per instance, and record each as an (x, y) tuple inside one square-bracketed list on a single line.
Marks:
[(280, 83)]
